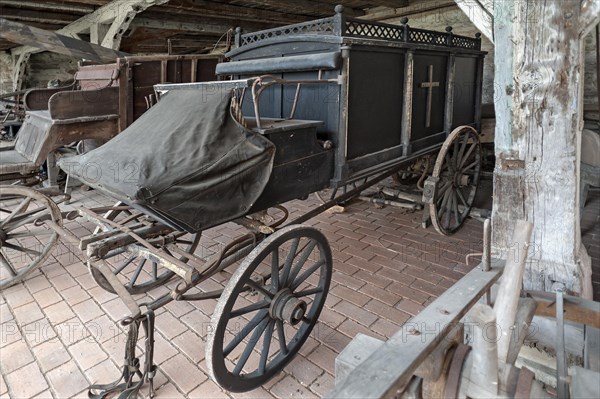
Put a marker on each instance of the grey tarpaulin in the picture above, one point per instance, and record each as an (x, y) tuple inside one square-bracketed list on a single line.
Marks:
[(186, 161)]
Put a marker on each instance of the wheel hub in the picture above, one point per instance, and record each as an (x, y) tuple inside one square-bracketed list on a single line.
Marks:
[(286, 307), (3, 236)]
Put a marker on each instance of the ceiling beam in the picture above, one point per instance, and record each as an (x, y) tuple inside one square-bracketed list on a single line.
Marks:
[(50, 41), (413, 9), (309, 7), (97, 3), (481, 13), (215, 29), (115, 10), (47, 5), (223, 11), (37, 16), (391, 3)]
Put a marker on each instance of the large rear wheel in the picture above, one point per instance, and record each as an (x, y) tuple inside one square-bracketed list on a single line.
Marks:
[(456, 173)]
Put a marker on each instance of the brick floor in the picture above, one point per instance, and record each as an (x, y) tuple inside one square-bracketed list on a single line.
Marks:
[(58, 331)]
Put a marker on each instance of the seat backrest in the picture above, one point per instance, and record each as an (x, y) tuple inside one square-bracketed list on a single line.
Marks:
[(93, 77), (33, 134)]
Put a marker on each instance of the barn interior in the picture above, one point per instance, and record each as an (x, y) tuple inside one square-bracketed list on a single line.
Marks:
[(130, 228)]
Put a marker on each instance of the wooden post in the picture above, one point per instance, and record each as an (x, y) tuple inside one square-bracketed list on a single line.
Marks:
[(539, 56)]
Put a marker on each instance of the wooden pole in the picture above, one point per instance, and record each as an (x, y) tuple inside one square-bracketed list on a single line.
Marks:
[(507, 299), (598, 69), (539, 107), (485, 350)]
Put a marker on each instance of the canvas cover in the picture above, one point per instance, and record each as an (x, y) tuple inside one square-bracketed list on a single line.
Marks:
[(185, 161)]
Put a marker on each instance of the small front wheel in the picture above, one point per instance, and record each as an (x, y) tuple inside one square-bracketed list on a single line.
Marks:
[(26, 239), (269, 308)]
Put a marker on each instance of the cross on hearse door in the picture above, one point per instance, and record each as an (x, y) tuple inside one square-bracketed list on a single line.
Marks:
[(429, 96)]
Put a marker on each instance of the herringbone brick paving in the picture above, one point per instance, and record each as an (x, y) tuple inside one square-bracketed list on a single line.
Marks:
[(58, 332)]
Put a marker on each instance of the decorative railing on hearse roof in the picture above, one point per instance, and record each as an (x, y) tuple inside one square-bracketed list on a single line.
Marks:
[(340, 25)]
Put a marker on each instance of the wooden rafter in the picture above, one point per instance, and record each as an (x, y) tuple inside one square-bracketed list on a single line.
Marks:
[(481, 13), (119, 13), (43, 39), (308, 7), (110, 12)]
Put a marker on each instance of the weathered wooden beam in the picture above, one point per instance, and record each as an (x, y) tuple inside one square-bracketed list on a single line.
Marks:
[(412, 9), (539, 105), (222, 11), (481, 13), (90, 2), (46, 16), (98, 32), (50, 41), (390, 3), (307, 7), (107, 13), (590, 16), (47, 5), (180, 26)]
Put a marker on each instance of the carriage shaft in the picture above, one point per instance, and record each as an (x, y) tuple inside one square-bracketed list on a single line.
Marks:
[(101, 248)]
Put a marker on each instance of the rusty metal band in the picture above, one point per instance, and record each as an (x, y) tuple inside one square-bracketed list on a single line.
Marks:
[(455, 371), (524, 383)]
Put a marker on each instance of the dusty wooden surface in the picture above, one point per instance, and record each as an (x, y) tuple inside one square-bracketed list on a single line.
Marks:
[(539, 104)]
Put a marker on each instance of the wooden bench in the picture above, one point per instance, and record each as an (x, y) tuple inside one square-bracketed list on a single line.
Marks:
[(88, 109)]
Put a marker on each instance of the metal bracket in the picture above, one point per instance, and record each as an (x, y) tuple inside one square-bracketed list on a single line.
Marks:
[(430, 189)]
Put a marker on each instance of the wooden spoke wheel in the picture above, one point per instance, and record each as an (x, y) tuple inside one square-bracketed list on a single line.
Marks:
[(26, 241), (138, 273), (457, 171), (269, 308)]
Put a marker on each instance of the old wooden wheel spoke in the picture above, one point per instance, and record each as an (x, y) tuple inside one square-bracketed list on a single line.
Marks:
[(29, 233), (281, 337), (307, 274), (20, 248), (260, 288), (468, 154), (245, 332), (22, 207), (290, 259), (311, 291), (264, 354), (250, 347), (275, 270), (7, 265), (457, 216), (461, 197), (250, 308), (308, 249)]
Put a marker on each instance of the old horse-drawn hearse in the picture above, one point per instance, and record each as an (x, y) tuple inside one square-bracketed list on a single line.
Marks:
[(339, 103)]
